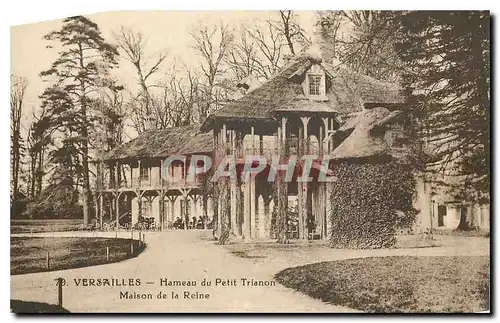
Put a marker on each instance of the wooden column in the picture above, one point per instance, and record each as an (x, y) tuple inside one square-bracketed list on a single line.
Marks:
[(140, 173), (131, 176), (161, 208), (224, 139), (195, 206), (117, 175), (139, 205), (283, 135), (300, 188), (186, 208), (324, 143), (262, 217), (253, 208), (279, 141), (233, 143), (172, 208), (234, 210), (246, 210), (305, 194), (320, 141), (326, 201), (237, 197), (305, 122), (160, 178), (252, 136), (267, 217)]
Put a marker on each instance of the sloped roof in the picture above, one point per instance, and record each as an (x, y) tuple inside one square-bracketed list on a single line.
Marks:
[(303, 104), (364, 140), (348, 91), (163, 143)]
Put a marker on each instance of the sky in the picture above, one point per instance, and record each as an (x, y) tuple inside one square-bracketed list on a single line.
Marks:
[(164, 30)]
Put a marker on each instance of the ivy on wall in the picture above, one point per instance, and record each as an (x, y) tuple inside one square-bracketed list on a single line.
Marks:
[(365, 202)]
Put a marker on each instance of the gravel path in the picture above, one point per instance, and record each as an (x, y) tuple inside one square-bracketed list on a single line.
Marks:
[(185, 255), (173, 255)]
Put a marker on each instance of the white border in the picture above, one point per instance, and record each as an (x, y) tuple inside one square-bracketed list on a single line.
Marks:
[(23, 11)]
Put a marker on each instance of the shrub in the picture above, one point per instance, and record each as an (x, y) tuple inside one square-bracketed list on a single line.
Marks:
[(365, 202)]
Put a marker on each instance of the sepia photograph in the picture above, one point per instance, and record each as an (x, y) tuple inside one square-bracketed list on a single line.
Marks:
[(288, 161)]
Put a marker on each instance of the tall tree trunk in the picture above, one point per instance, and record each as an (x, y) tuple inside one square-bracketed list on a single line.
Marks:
[(85, 146)]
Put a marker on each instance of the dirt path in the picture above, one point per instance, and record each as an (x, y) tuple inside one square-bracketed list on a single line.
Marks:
[(172, 255), (181, 255)]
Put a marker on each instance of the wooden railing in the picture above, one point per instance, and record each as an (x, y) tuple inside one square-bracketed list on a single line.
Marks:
[(156, 183)]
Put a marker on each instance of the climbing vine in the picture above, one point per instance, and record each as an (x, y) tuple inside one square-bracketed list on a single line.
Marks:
[(369, 202)]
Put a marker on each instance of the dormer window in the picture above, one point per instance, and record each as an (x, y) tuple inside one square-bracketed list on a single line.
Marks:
[(315, 84)]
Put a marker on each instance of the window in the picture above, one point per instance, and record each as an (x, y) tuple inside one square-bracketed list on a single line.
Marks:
[(314, 84), (441, 215), (144, 173)]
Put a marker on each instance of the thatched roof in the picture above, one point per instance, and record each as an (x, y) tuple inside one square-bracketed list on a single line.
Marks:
[(367, 136), (303, 104), (163, 143), (347, 91), (351, 91)]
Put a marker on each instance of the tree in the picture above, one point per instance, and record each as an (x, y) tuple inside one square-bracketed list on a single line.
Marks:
[(84, 60), (38, 141), (110, 113), (144, 107), (447, 82), (212, 43), (262, 46), (291, 30), (364, 40), (17, 93)]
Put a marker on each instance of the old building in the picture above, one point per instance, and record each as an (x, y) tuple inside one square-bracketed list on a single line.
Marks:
[(130, 183), (296, 112), (312, 106)]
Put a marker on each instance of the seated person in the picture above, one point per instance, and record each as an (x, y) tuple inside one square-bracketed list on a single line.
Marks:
[(178, 223), (199, 224)]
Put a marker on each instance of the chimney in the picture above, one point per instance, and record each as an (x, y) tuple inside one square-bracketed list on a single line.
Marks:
[(319, 40)]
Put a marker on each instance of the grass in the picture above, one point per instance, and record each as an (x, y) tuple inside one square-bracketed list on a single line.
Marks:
[(396, 284), (462, 233), (23, 307), (45, 225), (303, 251), (28, 255)]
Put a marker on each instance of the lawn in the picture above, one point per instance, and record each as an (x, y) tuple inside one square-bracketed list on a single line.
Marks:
[(45, 225), (28, 255), (22, 307), (396, 284), (303, 251)]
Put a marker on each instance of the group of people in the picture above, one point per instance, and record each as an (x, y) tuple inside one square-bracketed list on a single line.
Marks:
[(193, 223)]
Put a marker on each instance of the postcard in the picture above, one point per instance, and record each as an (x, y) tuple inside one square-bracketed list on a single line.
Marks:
[(251, 162)]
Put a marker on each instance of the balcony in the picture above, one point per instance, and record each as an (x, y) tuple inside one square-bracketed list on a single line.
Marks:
[(294, 146), (149, 184)]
